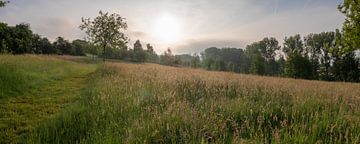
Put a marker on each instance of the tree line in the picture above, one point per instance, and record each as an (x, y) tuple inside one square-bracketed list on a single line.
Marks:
[(316, 56), (322, 56)]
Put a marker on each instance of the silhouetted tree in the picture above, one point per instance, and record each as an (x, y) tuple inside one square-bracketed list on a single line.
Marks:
[(139, 54), (151, 56), (167, 58)]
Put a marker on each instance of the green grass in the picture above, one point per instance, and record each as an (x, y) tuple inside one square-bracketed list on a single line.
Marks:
[(34, 88), (20, 74), (145, 103), (129, 103)]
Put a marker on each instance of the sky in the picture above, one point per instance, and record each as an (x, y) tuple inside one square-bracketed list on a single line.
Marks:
[(185, 26)]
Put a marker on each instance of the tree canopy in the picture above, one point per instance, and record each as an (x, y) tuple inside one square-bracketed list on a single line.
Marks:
[(106, 30), (351, 26), (3, 3)]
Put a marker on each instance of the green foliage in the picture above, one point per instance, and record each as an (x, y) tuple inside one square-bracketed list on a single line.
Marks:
[(167, 58), (347, 68), (226, 59), (351, 26), (293, 45), (106, 30), (257, 65), (298, 66), (151, 55), (16, 40), (3, 3), (139, 55)]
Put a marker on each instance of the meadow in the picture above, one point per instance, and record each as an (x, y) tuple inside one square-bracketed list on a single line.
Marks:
[(121, 102)]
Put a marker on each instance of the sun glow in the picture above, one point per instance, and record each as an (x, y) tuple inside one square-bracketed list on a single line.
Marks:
[(167, 29)]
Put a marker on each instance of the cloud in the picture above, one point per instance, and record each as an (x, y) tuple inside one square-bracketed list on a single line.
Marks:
[(54, 27)]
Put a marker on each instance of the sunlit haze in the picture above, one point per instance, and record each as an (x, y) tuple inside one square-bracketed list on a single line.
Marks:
[(185, 26), (167, 29)]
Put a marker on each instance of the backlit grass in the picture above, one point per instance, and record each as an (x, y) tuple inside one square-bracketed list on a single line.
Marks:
[(146, 103)]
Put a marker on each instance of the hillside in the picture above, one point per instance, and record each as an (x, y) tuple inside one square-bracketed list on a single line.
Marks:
[(148, 103)]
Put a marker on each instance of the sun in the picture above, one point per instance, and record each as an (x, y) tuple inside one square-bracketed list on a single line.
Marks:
[(167, 29)]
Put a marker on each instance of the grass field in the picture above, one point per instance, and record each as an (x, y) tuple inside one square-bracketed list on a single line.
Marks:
[(148, 103), (32, 88)]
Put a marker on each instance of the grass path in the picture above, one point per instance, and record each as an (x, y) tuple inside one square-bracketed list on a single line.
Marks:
[(19, 115)]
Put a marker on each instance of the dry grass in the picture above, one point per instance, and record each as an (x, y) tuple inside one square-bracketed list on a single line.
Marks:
[(148, 103)]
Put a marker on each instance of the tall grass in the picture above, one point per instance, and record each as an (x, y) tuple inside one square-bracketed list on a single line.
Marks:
[(128, 103)]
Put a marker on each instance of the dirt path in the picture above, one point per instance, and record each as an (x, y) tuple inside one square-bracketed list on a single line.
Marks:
[(19, 115)]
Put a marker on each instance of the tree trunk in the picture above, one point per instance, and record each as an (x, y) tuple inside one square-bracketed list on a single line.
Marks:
[(104, 56)]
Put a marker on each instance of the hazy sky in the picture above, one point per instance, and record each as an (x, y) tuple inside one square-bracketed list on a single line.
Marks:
[(194, 24)]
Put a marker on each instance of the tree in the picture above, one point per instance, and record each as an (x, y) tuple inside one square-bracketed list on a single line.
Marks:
[(3, 3), (195, 62), (257, 65), (297, 66), (79, 47), (347, 68), (351, 26), (16, 40), (106, 30), (320, 48), (269, 48), (139, 54), (63, 47), (151, 55), (167, 58), (4, 38), (293, 45), (256, 52)]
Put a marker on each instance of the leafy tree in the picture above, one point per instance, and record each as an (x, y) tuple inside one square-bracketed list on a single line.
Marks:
[(269, 48), (151, 56), (256, 52), (167, 58), (195, 62), (257, 65), (293, 45), (46, 47), (139, 54), (351, 26), (3, 3), (16, 40), (106, 30), (347, 68), (79, 47), (318, 47), (297, 66), (5, 34), (63, 47)]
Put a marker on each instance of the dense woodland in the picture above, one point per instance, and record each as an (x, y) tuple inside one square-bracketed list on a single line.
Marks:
[(327, 56)]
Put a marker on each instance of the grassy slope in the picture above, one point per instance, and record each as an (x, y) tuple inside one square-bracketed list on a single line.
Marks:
[(35, 87), (20, 74), (127, 103)]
